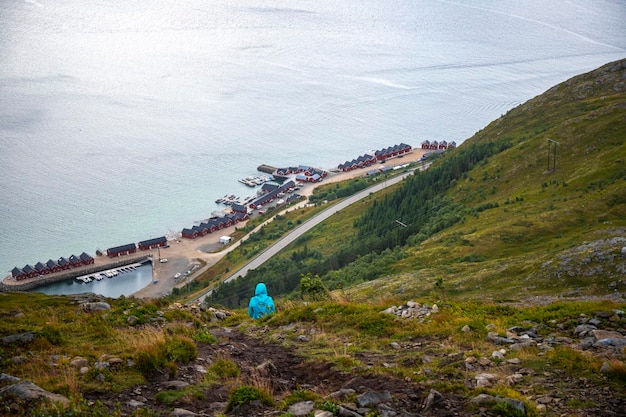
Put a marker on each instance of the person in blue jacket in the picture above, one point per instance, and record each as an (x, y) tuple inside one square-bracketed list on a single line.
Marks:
[(261, 304)]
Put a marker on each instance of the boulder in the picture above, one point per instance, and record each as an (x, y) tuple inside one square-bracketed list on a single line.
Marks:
[(27, 391), (302, 408)]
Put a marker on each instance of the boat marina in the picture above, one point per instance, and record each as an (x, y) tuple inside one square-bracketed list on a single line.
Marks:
[(98, 276), (253, 181)]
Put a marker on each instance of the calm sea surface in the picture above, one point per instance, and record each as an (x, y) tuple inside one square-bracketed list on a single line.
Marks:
[(126, 283), (123, 120)]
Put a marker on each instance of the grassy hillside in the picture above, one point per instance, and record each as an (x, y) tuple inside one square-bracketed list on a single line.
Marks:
[(535, 225), (534, 204)]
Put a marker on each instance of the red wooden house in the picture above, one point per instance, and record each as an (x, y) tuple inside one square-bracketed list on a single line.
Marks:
[(121, 250), (152, 243), (18, 274)]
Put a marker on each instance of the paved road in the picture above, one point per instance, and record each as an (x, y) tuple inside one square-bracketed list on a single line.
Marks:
[(309, 224)]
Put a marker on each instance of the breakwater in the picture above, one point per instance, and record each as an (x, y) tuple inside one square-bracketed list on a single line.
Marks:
[(31, 284)]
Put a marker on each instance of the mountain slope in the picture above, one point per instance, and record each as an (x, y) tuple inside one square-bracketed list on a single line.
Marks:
[(536, 222)]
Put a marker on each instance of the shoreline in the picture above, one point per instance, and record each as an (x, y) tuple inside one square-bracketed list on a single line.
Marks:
[(185, 255)]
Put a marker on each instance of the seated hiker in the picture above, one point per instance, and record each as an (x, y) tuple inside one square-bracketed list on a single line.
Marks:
[(261, 304)]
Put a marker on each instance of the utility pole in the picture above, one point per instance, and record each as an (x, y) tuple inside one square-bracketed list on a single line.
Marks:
[(401, 224), (550, 142)]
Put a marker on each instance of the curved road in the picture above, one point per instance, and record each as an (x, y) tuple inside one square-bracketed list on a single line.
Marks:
[(311, 223)]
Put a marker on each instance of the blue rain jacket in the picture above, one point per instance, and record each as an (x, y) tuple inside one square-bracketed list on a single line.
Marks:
[(261, 304)]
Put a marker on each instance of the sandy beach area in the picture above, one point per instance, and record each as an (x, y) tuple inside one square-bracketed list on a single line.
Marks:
[(184, 256)]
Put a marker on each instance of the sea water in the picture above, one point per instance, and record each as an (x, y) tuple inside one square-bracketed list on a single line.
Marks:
[(124, 120), (125, 283)]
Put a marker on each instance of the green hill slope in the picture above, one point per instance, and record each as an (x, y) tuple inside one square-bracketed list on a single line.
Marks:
[(547, 215)]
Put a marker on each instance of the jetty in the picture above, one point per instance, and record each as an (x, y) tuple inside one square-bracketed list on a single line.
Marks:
[(268, 169), (101, 265)]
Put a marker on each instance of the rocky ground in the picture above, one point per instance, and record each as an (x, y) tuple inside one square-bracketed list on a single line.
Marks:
[(360, 392)]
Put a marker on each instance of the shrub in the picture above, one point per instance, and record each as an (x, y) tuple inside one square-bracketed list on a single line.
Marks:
[(205, 336), (245, 395)]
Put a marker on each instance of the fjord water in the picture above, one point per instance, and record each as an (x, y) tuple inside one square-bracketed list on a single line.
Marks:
[(121, 120), (125, 284)]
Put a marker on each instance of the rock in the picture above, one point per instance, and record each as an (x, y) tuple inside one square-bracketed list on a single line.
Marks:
[(395, 345), (302, 408), (583, 330), (606, 334), (521, 345), (497, 355), (346, 412), (177, 385), (434, 398), (115, 361), (618, 343), (320, 413), (79, 362), (94, 307), (485, 380), (373, 398), (18, 338), (83, 370), (606, 368), (341, 394), (8, 378), (26, 390), (466, 329), (514, 379), (487, 399), (181, 412), (132, 320), (303, 338), (135, 404)]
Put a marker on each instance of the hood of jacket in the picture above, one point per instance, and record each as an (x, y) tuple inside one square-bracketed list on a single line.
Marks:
[(261, 289)]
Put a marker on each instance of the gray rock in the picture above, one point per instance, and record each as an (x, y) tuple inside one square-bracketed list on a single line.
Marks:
[(18, 338), (181, 412), (79, 362), (611, 342), (95, 307), (321, 413), (373, 398), (434, 398), (606, 334), (346, 412), (26, 390), (177, 385), (341, 394), (8, 378), (583, 330), (302, 408), (135, 404)]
